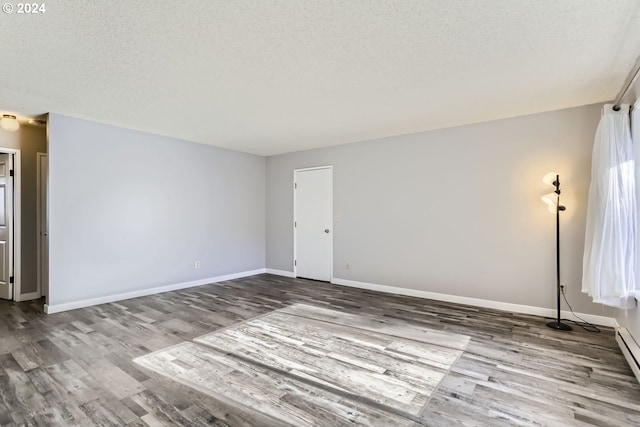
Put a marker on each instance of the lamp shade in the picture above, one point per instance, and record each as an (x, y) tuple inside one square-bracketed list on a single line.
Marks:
[(9, 123), (550, 178), (551, 200)]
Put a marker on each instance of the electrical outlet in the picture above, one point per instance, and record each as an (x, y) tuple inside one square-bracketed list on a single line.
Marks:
[(197, 265), (562, 288)]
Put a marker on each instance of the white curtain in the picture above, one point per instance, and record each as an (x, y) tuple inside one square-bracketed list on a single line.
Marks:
[(609, 264)]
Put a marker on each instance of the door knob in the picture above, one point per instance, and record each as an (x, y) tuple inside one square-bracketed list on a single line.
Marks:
[(326, 230)]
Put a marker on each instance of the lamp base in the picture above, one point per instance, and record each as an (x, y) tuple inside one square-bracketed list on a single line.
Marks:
[(559, 326)]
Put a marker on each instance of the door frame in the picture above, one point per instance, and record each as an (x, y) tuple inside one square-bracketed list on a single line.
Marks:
[(40, 210), (295, 215), (17, 223)]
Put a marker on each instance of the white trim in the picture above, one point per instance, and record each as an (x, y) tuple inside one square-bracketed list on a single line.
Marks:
[(17, 222), (313, 168), (497, 305), (630, 349), (30, 296), (17, 225), (290, 274), (56, 308), (295, 234), (295, 231), (39, 213)]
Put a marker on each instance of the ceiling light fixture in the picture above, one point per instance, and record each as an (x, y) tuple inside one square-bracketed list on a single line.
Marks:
[(9, 123)]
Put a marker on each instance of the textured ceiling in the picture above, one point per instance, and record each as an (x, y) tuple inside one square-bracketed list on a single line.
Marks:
[(268, 77)]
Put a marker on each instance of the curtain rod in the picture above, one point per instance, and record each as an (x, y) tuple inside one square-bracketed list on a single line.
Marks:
[(627, 85)]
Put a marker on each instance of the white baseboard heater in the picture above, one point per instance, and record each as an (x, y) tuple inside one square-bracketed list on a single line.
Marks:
[(630, 349)]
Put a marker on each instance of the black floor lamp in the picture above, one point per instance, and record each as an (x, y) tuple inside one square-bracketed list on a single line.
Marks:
[(553, 201)]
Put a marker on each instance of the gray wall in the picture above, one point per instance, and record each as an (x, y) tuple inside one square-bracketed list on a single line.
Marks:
[(131, 211), (455, 211), (29, 140)]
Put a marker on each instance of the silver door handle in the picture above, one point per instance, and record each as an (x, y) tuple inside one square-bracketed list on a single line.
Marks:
[(326, 230)]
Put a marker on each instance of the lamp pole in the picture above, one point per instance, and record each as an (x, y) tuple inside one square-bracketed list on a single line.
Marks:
[(558, 324)]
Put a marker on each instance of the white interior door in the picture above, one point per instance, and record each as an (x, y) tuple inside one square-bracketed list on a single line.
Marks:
[(6, 226), (43, 224), (312, 222)]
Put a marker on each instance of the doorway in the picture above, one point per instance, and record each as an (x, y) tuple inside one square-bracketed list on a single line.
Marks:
[(10, 231), (312, 221), (6, 226)]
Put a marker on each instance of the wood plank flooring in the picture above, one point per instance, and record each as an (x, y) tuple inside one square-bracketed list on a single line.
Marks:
[(322, 359), (76, 368)]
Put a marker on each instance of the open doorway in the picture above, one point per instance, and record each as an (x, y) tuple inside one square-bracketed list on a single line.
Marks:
[(19, 150), (7, 221)]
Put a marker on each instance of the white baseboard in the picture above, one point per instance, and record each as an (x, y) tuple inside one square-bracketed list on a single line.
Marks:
[(27, 297), (497, 305), (630, 349), (281, 273), (56, 308), (516, 308)]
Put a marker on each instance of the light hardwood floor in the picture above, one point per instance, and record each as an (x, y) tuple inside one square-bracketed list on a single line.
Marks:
[(76, 368), (302, 364)]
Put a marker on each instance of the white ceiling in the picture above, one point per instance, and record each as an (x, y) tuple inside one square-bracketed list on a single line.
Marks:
[(268, 77)]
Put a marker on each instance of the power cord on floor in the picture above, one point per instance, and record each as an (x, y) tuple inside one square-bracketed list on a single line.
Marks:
[(584, 324)]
